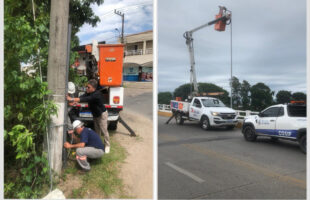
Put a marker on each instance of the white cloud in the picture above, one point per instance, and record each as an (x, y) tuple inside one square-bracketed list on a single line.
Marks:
[(138, 18), (269, 43)]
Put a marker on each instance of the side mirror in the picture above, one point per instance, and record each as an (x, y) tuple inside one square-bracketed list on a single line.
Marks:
[(261, 114)]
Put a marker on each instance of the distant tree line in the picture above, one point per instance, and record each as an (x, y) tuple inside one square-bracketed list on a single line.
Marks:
[(244, 96)]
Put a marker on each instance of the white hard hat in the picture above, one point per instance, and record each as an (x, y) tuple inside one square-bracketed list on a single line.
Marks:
[(81, 67), (71, 88), (77, 123)]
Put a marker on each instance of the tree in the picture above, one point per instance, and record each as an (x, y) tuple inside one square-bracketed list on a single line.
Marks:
[(299, 96), (81, 13), (25, 116), (245, 95), (183, 91), (210, 87), (164, 97), (283, 96), (261, 96), (236, 92)]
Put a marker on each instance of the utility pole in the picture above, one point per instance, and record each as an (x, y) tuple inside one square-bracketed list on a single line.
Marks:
[(231, 65), (123, 16), (56, 78)]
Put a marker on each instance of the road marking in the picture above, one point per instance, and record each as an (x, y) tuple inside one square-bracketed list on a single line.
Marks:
[(263, 170), (185, 172)]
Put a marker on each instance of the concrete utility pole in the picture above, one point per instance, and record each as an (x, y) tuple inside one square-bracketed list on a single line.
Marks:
[(123, 16), (56, 77)]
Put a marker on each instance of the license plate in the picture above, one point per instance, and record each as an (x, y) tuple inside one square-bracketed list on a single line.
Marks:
[(229, 121), (86, 114)]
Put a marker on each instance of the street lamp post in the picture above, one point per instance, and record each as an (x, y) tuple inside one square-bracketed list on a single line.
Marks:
[(119, 33), (123, 16)]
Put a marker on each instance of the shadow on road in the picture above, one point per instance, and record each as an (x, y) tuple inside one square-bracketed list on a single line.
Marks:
[(195, 140), (282, 144)]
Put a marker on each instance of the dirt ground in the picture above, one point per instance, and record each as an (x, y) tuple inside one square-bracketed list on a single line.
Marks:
[(74, 182), (137, 171)]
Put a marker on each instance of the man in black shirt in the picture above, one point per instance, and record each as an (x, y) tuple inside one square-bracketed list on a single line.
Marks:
[(100, 113)]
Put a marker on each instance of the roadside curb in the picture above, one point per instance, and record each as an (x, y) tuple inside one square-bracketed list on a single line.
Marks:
[(165, 113), (138, 85)]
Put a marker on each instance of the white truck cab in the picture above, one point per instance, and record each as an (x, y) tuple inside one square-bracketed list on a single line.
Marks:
[(278, 121), (209, 111)]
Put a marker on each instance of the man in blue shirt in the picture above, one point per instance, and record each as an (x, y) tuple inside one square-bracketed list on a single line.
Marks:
[(88, 145), (100, 114)]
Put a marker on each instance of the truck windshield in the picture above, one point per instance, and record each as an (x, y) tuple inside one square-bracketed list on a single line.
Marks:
[(297, 110), (212, 103)]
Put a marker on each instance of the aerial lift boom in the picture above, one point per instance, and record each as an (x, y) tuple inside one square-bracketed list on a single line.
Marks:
[(222, 19)]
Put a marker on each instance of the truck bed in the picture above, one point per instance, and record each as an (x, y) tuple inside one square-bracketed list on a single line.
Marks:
[(182, 106)]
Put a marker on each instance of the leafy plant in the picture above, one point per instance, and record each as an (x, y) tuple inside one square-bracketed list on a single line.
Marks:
[(76, 79), (26, 105)]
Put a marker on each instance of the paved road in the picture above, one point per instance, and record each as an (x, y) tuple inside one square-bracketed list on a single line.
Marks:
[(142, 104), (220, 164)]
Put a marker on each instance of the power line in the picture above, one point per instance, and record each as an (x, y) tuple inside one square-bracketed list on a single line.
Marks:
[(126, 8)]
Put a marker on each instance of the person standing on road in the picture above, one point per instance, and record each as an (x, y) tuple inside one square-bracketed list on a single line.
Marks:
[(99, 112), (89, 145)]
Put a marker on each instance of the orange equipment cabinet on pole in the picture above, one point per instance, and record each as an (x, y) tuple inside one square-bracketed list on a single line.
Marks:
[(111, 64)]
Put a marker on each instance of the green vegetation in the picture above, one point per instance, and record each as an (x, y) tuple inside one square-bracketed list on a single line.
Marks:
[(183, 91), (76, 79), (26, 117), (244, 96), (284, 96), (103, 176), (261, 96), (164, 97)]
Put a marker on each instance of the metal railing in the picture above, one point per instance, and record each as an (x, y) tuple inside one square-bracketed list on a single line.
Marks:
[(134, 52), (164, 107), (138, 52), (149, 51)]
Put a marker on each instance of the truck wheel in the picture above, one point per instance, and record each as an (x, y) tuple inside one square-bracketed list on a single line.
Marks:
[(303, 143), (112, 125), (205, 124), (249, 134), (178, 118)]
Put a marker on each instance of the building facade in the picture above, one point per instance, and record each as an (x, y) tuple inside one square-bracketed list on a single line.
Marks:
[(138, 62)]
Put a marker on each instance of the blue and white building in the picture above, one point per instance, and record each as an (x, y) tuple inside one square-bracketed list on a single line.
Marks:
[(138, 63)]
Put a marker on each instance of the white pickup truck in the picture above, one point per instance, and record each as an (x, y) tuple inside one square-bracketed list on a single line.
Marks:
[(208, 111), (279, 121)]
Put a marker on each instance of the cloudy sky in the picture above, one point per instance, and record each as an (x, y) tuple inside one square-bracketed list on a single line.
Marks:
[(138, 18), (269, 43)]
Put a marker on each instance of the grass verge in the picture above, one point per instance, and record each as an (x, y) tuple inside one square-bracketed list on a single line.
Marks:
[(102, 181)]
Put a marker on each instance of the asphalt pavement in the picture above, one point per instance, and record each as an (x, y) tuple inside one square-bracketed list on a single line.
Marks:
[(220, 164), (142, 104)]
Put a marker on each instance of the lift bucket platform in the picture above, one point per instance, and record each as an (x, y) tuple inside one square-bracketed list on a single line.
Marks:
[(220, 25)]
